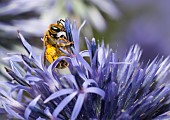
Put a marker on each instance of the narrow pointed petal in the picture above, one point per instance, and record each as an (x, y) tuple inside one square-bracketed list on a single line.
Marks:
[(83, 62), (96, 91), (32, 103), (78, 106), (75, 34), (63, 104), (88, 82), (26, 45), (58, 94), (12, 112)]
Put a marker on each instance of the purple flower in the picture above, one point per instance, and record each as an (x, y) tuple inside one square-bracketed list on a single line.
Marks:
[(99, 87)]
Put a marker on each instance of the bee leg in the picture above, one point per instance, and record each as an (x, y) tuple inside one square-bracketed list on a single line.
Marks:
[(63, 39), (67, 43), (61, 44)]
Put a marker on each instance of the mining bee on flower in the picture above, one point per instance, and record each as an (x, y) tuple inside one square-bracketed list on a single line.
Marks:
[(58, 37)]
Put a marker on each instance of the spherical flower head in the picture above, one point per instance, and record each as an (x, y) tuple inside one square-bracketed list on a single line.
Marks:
[(103, 87)]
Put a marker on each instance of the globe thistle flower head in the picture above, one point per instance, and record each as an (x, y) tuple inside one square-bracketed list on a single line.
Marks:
[(104, 87)]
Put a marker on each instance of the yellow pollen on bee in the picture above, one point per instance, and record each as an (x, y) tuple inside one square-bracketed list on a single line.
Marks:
[(51, 53)]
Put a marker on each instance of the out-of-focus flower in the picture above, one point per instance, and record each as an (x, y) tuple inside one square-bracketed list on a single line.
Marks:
[(104, 88), (33, 17), (147, 24)]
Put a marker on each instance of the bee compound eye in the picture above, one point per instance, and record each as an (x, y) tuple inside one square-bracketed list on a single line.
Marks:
[(55, 29)]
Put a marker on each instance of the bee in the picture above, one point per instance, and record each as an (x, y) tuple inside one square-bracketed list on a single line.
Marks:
[(56, 37)]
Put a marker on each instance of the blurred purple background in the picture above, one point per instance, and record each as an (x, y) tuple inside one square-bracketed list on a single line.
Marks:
[(146, 23)]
